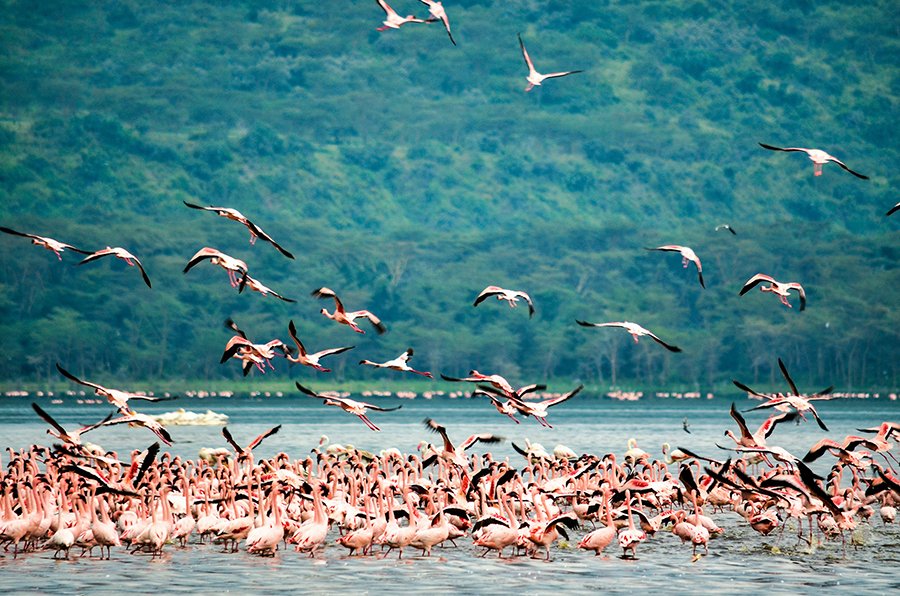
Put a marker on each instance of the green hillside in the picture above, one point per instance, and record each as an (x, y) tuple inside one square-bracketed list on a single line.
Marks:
[(408, 174)]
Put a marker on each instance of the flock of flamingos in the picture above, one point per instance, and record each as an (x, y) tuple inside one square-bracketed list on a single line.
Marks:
[(75, 495)]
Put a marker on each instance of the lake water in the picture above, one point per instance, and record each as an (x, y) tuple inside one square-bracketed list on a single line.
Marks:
[(740, 561)]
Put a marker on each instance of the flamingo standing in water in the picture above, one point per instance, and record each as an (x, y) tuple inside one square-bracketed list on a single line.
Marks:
[(436, 8), (120, 253), (687, 256), (357, 408), (347, 318), (50, 244), (534, 77), (230, 264), (235, 215), (782, 290), (400, 363), (635, 330), (818, 157), (306, 359), (392, 20), (511, 296)]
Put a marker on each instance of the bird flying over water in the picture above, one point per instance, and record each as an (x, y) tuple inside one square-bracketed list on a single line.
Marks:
[(117, 398), (400, 363), (818, 157), (351, 406)]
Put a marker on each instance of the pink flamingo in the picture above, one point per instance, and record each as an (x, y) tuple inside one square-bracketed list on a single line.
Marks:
[(400, 363), (687, 256), (347, 318), (534, 77), (511, 296), (120, 253), (235, 215), (782, 290), (635, 330), (818, 157), (49, 243), (305, 358)]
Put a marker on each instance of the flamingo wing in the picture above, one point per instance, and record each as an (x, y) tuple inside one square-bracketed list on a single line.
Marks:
[(259, 233), (562, 398), (527, 299), (892, 210), (844, 166), (801, 291), (324, 293), (788, 378), (774, 148), (260, 438), (433, 426), (555, 75), (227, 434), (754, 281), (742, 424), (72, 377), (48, 418), (483, 437), (487, 293), (670, 347), (292, 331), (525, 55)]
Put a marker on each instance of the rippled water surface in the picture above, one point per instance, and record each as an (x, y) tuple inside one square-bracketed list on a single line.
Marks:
[(740, 561)]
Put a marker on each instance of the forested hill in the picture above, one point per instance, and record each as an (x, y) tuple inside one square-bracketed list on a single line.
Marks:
[(408, 174)]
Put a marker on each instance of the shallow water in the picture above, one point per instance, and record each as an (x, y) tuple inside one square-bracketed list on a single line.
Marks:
[(740, 561)]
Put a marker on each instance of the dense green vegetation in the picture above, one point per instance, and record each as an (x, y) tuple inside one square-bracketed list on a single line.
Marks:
[(408, 174)]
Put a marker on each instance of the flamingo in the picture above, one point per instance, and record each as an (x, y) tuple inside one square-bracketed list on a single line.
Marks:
[(357, 408), (436, 8), (347, 318), (73, 437), (635, 330), (120, 253), (726, 227), (602, 537), (257, 286), (305, 358), (687, 256), (631, 536), (453, 454), (400, 363), (477, 377), (539, 409), (135, 419), (235, 215), (117, 398), (504, 407), (780, 289), (511, 296), (758, 438), (534, 77), (50, 244), (230, 264), (818, 157), (395, 21), (247, 452)]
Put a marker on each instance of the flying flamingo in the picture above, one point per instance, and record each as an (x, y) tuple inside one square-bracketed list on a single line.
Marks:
[(305, 358), (358, 408), (818, 157), (395, 21), (539, 409), (511, 296), (247, 452), (117, 398), (476, 377), (782, 290), (230, 264), (436, 8), (635, 330), (453, 454), (50, 244), (534, 77), (687, 256), (347, 318), (135, 419), (235, 215), (72, 437), (257, 286), (400, 363), (726, 227), (119, 253)]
